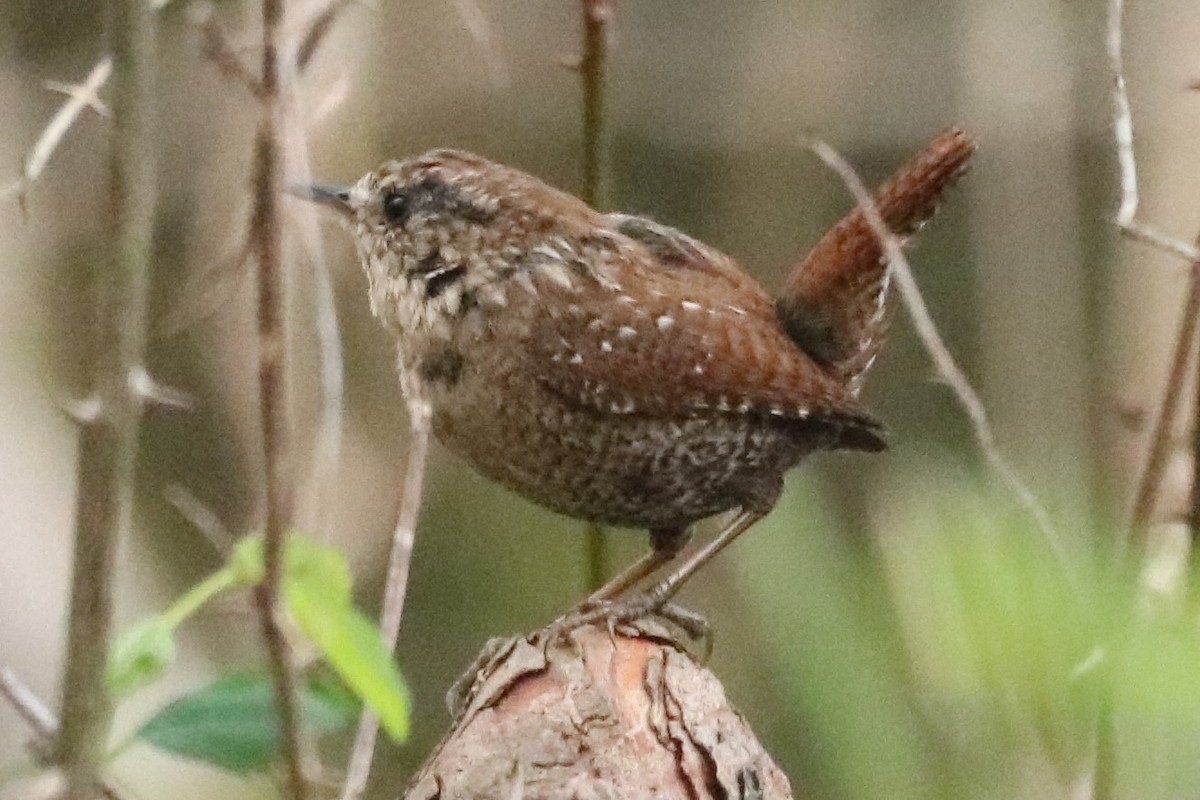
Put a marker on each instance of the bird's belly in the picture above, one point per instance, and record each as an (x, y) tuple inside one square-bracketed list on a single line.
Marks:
[(620, 469)]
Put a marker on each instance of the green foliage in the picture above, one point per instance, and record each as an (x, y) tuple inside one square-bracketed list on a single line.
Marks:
[(141, 656), (317, 590), (233, 724), (952, 654)]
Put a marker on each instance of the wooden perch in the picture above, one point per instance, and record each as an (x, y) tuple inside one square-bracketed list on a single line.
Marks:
[(628, 714)]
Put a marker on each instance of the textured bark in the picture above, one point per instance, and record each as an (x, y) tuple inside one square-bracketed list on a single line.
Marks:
[(597, 715)]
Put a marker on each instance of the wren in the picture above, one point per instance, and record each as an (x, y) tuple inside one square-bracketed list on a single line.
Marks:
[(614, 369)]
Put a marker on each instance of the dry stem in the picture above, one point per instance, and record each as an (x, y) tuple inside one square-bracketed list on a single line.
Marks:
[(266, 243), (85, 95), (1126, 219), (318, 28), (28, 705), (947, 369), (1161, 442), (596, 15), (396, 588), (109, 443)]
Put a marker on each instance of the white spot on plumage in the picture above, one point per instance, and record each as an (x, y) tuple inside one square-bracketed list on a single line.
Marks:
[(606, 346), (626, 332), (493, 294), (690, 305), (664, 322), (698, 369), (526, 282), (558, 274), (576, 359)]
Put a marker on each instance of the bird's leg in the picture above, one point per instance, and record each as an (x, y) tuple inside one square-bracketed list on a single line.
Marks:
[(655, 600), (665, 544), (657, 596)]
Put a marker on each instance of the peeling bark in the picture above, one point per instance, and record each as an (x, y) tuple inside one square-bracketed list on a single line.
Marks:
[(594, 714)]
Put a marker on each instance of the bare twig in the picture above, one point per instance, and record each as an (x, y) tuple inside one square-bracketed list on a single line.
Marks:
[(266, 241), (318, 29), (1161, 441), (1126, 219), (108, 446), (1194, 508), (201, 517), (947, 369), (28, 705), (40, 718), (327, 443), (596, 16), (396, 588), (85, 95), (221, 52)]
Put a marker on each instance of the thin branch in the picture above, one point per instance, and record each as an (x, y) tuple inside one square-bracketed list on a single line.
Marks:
[(267, 245), (29, 706), (317, 30), (396, 589), (109, 445), (947, 369), (596, 16), (1126, 219), (1194, 508), (218, 49), (1122, 116), (315, 487), (201, 517), (1161, 441), (40, 718), (85, 95), (592, 65)]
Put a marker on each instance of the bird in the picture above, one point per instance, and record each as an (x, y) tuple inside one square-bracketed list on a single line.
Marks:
[(612, 368)]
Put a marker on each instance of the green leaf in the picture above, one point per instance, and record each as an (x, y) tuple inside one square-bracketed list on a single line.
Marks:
[(317, 590), (140, 656), (233, 723)]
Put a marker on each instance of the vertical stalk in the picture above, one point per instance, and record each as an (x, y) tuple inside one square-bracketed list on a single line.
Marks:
[(267, 244), (109, 439), (1159, 451), (596, 15), (1194, 504)]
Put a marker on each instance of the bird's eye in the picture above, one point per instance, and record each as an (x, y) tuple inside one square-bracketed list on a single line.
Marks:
[(397, 207)]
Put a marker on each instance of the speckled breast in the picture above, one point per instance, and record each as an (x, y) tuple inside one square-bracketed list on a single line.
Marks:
[(626, 470)]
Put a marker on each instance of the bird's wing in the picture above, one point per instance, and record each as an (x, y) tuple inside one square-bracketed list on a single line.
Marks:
[(697, 336)]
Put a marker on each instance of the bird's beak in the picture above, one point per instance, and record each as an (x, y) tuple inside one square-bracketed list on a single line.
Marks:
[(333, 197)]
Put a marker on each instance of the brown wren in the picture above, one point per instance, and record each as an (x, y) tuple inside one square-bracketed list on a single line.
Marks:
[(612, 368)]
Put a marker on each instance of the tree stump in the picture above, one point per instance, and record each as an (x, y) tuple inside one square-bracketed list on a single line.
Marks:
[(594, 713)]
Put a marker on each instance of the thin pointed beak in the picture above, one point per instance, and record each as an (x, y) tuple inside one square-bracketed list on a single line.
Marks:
[(334, 197)]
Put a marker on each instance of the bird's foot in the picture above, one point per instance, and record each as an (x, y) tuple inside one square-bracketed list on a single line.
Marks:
[(641, 613)]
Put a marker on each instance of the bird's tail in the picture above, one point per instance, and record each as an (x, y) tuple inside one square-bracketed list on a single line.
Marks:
[(833, 304)]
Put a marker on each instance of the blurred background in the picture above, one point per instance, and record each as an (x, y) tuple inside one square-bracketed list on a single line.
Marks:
[(897, 628)]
